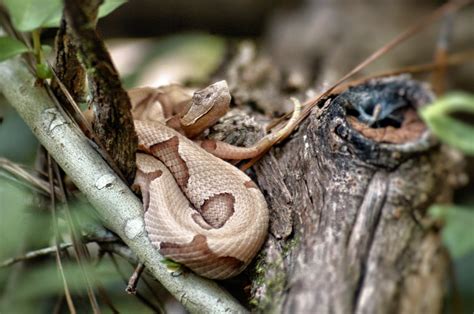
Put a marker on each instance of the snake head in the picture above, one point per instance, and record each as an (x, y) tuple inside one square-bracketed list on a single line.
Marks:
[(207, 106)]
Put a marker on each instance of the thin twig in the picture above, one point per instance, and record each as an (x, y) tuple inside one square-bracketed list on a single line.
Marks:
[(133, 281), (452, 60), (105, 297), (128, 255), (441, 53), (102, 291), (26, 177), (448, 7), (157, 309), (80, 249), (35, 254), (58, 305), (70, 303)]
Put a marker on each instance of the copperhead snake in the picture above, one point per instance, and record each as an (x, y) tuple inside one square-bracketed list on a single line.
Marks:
[(199, 210)]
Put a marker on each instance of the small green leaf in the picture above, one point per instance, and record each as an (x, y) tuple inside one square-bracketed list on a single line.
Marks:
[(450, 130), (10, 47), (43, 71), (109, 6), (457, 230), (28, 15), (171, 265), (105, 9), (54, 20)]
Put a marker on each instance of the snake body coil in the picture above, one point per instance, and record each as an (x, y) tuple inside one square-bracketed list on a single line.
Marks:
[(200, 211)]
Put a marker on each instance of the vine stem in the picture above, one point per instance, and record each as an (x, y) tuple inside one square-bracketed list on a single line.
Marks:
[(38, 52)]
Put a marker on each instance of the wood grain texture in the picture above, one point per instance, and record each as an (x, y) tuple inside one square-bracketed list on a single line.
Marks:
[(348, 231)]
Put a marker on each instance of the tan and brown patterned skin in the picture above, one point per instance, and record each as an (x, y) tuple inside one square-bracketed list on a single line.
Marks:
[(200, 211)]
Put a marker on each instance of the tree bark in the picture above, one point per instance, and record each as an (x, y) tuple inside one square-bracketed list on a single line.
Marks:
[(349, 231), (113, 122)]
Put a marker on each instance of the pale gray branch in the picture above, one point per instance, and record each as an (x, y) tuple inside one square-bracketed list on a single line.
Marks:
[(119, 209)]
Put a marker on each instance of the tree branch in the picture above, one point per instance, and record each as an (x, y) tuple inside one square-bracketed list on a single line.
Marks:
[(119, 209)]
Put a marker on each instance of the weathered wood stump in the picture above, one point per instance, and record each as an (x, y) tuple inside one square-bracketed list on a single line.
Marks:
[(348, 194)]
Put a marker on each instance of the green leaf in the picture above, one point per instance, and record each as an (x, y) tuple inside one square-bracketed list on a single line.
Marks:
[(10, 47), (28, 15), (105, 9), (109, 6), (450, 130), (457, 230), (43, 71), (171, 265)]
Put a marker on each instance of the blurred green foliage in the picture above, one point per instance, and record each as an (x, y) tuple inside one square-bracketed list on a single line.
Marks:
[(19, 222), (16, 140), (452, 131), (32, 16), (458, 221), (186, 58), (10, 47), (35, 286), (29, 15), (458, 228)]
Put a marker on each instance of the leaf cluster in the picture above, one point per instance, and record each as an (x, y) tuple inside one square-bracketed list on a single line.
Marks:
[(31, 16)]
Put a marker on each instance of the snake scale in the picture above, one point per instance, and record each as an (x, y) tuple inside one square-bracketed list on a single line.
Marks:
[(200, 211)]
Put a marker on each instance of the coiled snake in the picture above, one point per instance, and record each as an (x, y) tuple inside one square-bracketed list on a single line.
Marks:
[(200, 211)]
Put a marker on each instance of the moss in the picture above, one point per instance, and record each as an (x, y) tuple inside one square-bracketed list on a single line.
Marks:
[(270, 278), (289, 245), (269, 282)]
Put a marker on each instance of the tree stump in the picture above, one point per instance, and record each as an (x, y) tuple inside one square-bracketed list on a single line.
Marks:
[(349, 231)]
